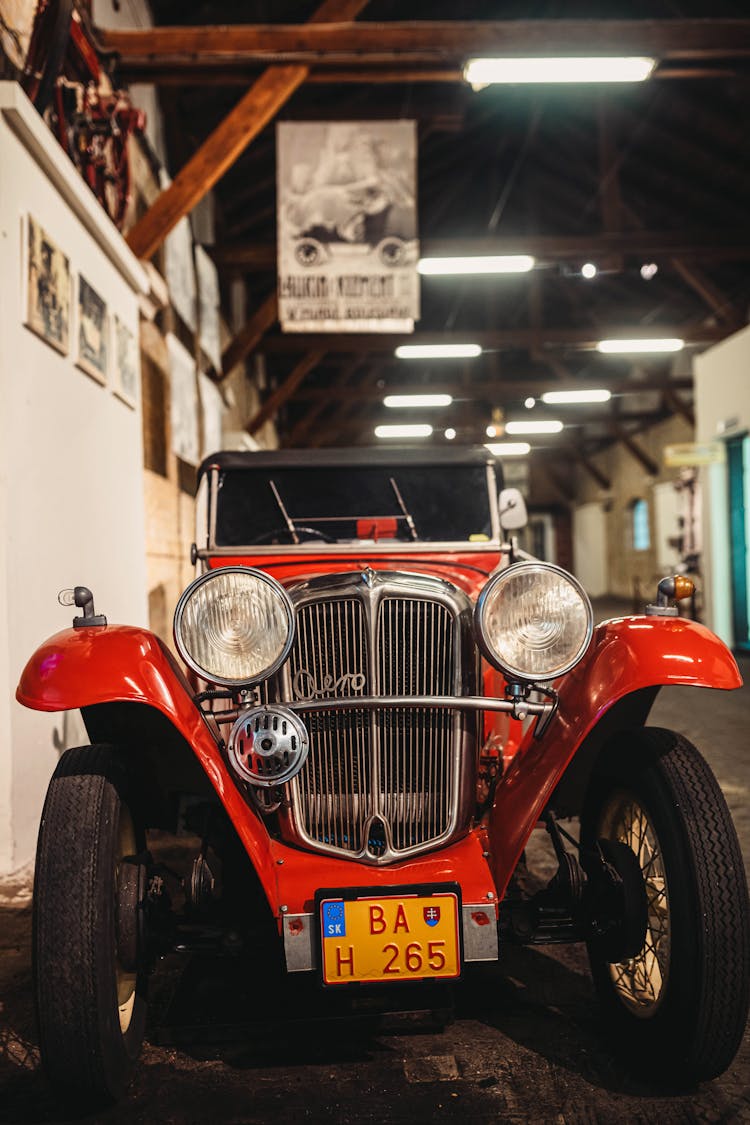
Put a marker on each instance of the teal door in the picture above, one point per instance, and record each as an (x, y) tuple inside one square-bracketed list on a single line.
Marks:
[(738, 464)]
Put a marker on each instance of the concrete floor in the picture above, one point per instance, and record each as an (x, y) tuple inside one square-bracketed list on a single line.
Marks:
[(524, 1044)]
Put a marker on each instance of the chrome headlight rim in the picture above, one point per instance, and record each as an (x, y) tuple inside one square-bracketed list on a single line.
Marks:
[(513, 674), (208, 576)]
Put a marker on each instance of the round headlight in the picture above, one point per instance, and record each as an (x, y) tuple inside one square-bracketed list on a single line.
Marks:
[(234, 626), (534, 621)]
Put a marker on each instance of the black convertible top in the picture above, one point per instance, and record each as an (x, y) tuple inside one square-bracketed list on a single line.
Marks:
[(343, 458)]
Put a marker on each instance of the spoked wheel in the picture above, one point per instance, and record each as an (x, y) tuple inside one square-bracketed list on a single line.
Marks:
[(640, 982), (89, 975), (678, 1005)]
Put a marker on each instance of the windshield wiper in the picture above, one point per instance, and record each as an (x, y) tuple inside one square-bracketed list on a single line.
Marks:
[(402, 506), (287, 518)]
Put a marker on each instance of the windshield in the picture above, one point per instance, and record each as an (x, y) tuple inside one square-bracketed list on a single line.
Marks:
[(402, 503)]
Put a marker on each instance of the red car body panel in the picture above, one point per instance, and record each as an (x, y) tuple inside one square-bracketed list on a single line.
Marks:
[(84, 667), (625, 655), (118, 663), (467, 570), (465, 862)]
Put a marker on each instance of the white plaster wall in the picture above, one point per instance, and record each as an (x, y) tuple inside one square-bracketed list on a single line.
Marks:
[(722, 410), (590, 548), (667, 510), (630, 572), (71, 481)]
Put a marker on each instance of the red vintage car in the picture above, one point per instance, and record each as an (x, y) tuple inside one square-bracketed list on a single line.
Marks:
[(382, 697)]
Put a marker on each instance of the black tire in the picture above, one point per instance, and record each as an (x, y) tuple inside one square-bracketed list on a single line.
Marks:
[(678, 1009), (89, 1036)]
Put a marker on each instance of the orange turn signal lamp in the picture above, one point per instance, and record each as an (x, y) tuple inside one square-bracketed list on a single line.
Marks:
[(674, 588), (683, 587)]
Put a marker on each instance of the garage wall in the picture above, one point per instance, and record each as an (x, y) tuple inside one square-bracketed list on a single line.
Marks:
[(590, 548), (722, 411), (632, 573), (71, 483)]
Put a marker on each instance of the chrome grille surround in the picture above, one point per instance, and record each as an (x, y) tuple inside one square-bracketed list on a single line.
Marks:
[(381, 785)]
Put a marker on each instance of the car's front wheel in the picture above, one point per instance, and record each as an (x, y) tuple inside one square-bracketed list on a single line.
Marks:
[(90, 987), (679, 1005)]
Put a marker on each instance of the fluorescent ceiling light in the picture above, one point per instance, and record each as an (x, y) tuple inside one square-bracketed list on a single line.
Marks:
[(508, 448), (484, 72), (557, 397), (417, 400), (438, 351), (416, 430), (622, 347), (477, 264), (533, 427), (450, 434)]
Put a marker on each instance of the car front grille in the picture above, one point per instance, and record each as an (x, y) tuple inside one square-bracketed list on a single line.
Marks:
[(379, 784)]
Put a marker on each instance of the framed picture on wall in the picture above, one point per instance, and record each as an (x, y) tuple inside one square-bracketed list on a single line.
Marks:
[(92, 335), (47, 281), (126, 364)]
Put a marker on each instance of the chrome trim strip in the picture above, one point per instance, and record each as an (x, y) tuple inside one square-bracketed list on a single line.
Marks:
[(480, 941), (299, 947), (360, 546), (439, 702), (213, 507), (494, 503)]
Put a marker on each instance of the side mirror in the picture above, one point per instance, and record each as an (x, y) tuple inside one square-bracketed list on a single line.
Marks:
[(512, 507)]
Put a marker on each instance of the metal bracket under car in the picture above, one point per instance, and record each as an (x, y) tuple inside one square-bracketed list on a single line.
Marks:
[(596, 896)]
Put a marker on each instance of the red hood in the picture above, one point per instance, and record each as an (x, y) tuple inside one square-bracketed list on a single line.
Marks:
[(468, 570)]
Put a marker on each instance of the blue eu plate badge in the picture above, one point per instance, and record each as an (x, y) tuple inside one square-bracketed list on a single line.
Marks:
[(334, 923)]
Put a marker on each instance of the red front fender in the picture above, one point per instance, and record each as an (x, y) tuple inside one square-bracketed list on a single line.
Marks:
[(119, 663), (625, 655)]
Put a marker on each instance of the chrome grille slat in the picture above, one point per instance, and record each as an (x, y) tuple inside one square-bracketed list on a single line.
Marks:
[(334, 782), (415, 745), (393, 775)]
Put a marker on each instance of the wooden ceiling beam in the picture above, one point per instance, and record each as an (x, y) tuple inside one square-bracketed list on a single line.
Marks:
[(586, 338), (219, 151), (310, 418), (358, 428), (716, 300), (728, 244), (286, 389), (590, 467), (501, 390), (428, 41), (164, 73), (642, 457), (248, 338), (344, 409), (556, 482), (677, 405), (610, 200)]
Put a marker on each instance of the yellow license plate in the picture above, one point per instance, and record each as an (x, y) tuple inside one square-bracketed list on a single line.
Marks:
[(390, 937)]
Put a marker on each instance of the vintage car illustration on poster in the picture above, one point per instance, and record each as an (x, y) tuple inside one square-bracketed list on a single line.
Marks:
[(379, 698)]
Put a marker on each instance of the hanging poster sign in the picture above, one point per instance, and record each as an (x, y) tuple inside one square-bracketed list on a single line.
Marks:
[(347, 226), (694, 453)]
